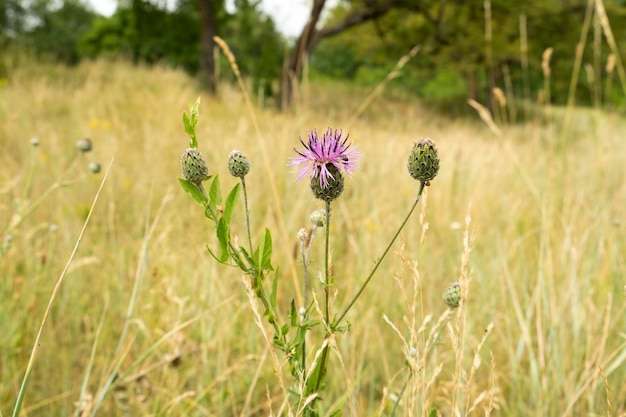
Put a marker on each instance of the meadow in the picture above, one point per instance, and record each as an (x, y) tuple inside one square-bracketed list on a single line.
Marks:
[(532, 218)]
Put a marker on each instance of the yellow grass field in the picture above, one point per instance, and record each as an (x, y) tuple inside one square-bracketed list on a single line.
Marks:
[(146, 323)]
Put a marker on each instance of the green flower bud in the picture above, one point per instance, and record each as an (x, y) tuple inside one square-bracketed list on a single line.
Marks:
[(238, 164), (84, 145), (452, 295), (334, 187), (94, 167), (318, 217), (194, 168), (424, 162)]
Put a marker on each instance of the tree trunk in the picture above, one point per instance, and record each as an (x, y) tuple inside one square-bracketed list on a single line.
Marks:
[(292, 71), (309, 39), (208, 29)]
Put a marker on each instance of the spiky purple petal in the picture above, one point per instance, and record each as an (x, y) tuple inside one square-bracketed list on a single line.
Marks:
[(318, 154)]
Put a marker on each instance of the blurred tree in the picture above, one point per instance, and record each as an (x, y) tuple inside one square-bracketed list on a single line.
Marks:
[(363, 11), (12, 19), (457, 60), (255, 41), (58, 31), (208, 30)]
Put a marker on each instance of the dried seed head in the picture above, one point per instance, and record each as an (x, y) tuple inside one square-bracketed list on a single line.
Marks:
[(193, 166), (423, 162)]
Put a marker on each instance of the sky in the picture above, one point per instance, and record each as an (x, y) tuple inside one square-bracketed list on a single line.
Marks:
[(290, 15)]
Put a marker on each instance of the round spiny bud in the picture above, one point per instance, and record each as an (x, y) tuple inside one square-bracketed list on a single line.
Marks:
[(94, 167), (194, 168), (333, 189), (238, 164), (452, 295), (303, 235), (424, 162), (318, 217), (84, 145)]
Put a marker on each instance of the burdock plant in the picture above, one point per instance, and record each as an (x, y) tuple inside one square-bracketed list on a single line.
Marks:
[(325, 160)]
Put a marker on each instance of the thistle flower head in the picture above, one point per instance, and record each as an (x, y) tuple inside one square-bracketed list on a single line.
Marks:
[(194, 168), (94, 167), (318, 217), (319, 157), (333, 188), (238, 164), (84, 145), (423, 162), (452, 295)]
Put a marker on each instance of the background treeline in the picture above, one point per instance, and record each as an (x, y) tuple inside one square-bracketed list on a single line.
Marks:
[(467, 48)]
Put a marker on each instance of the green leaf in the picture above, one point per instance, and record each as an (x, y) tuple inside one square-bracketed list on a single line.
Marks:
[(337, 413), (231, 201), (215, 195), (274, 293), (263, 254), (250, 261), (284, 330), (190, 123), (223, 237), (293, 314), (193, 190)]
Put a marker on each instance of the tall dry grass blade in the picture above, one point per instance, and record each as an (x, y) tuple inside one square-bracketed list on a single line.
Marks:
[(608, 81), (523, 30), (597, 63), (55, 291), (489, 54), (258, 320), (82, 408), (271, 175), (608, 33), (607, 390), (485, 115), (246, 404), (377, 91), (580, 47), (132, 302)]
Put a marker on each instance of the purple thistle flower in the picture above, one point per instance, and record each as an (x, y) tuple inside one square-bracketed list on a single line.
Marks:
[(318, 155)]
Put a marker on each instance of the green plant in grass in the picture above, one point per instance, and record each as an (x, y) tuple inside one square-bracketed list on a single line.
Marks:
[(325, 160)]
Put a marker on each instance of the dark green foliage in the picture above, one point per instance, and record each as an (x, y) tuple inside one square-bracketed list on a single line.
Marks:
[(51, 31), (453, 63), (146, 33)]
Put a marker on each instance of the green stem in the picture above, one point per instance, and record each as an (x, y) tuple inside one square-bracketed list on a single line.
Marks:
[(369, 278), (324, 359), (327, 277), (305, 260), (406, 384), (245, 200)]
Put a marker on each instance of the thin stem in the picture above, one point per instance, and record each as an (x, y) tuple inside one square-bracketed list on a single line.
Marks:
[(305, 260), (323, 361), (55, 291), (245, 199), (327, 278), (406, 384), (368, 279)]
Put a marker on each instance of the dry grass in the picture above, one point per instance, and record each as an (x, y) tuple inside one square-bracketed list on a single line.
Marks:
[(547, 263)]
